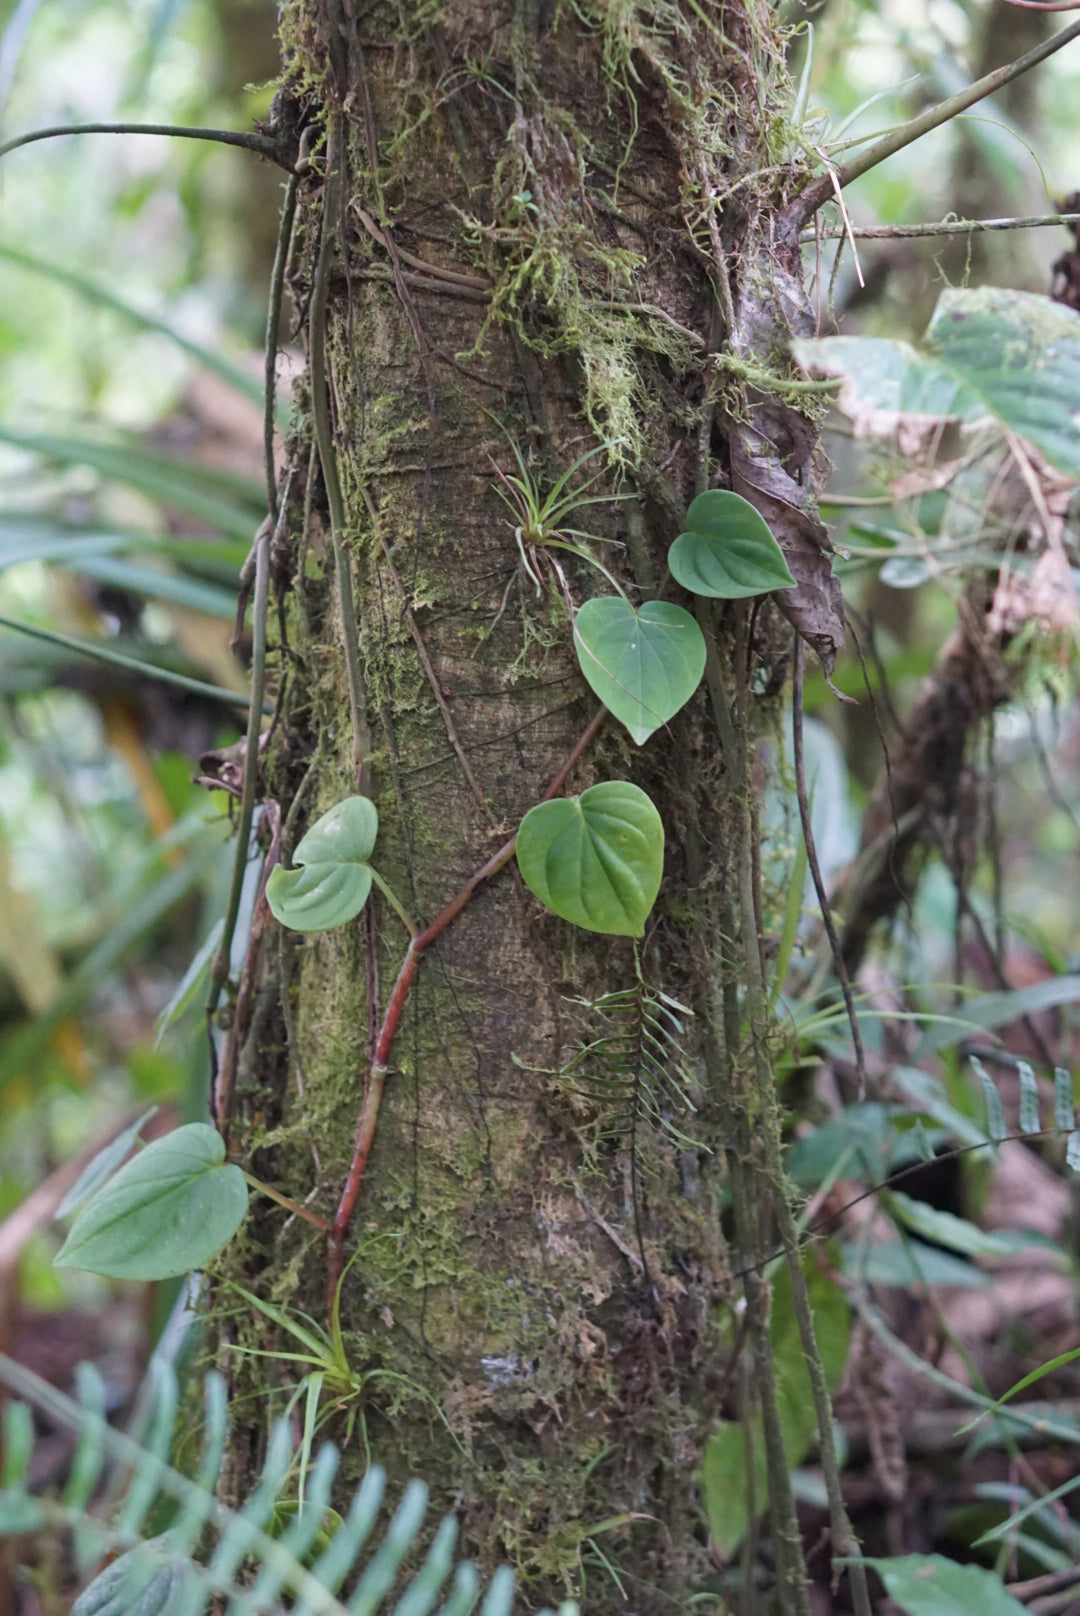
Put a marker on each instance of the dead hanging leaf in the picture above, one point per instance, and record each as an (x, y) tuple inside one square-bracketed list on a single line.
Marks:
[(1046, 596), (773, 465)]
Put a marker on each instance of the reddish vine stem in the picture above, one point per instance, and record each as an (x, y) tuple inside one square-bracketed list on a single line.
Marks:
[(376, 1079)]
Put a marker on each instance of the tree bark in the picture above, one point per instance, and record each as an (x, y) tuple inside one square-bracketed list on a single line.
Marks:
[(544, 225)]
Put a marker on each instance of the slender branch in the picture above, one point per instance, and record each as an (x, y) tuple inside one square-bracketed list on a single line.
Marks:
[(117, 659), (248, 140), (287, 1201), (844, 1541), (224, 1085), (751, 1103), (324, 439), (373, 1090), (947, 227), (220, 967), (815, 868), (273, 334), (791, 220)]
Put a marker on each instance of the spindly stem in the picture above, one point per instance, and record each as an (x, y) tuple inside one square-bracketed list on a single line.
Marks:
[(220, 968), (947, 227), (265, 145), (806, 204), (394, 901), (324, 440), (815, 868), (287, 1201)]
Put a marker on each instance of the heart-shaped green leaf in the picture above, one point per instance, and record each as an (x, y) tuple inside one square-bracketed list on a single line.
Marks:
[(334, 880), (167, 1211), (728, 551), (595, 860), (644, 665)]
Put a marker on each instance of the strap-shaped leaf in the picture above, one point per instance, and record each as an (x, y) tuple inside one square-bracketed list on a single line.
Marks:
[(728, 551), (166, 1212), (595, 860), (332, 884), (644, 665)]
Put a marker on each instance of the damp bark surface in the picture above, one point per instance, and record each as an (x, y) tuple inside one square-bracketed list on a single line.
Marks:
[(545, 224)]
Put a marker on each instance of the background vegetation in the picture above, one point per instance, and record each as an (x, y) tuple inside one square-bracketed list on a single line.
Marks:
[(133, 279)]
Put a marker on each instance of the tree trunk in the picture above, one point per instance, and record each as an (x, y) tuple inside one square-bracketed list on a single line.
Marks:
[(516, 211)]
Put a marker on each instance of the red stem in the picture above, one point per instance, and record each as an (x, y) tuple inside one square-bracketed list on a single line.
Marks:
[(376, 1079)]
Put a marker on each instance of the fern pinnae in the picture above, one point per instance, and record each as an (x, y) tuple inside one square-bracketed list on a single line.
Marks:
[(635, 1068)]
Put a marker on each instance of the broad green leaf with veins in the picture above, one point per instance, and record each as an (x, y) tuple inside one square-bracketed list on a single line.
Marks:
[(166, 1212), (595, 860), (644, 665), (334, 879), (930, 1585), (728, 551), (1006, 358)]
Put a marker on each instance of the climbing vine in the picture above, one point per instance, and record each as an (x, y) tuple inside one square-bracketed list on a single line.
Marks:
[(582, 227)]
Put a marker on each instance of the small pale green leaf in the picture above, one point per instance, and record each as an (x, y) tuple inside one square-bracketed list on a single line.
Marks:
[(990, 1010), (333, 882), (930, 1585), (101, 1167), (906, 1263), (166, 1212), (905, 572), (1064, 1112), (318, 897), (345, 834), (644, 665), (1072, 1153), (595, 860), (728, 551)]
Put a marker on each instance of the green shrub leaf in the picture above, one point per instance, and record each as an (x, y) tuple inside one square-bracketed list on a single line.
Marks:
[(167, 1211), (989, 355), (595, 860), (728, 551), (930, 1585), (644, 665), (333, 881)]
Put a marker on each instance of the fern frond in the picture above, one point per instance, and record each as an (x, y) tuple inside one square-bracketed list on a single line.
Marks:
[(634, 1072), (1064, 1124), (197, 1563)]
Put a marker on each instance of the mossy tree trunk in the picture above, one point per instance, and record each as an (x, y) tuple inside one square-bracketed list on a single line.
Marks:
[(547, 228)]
